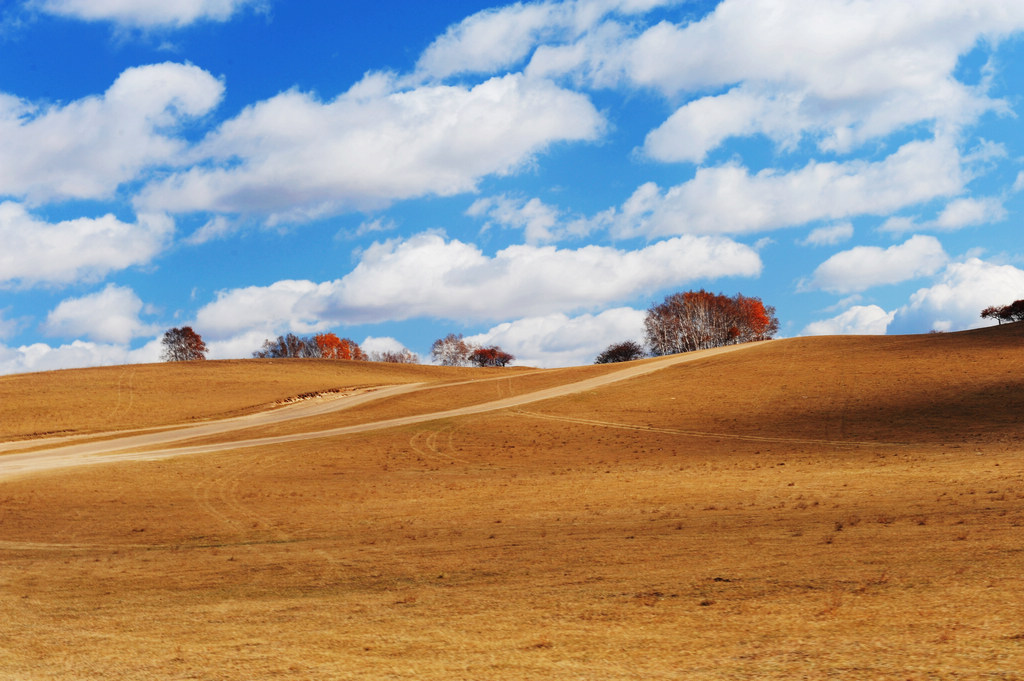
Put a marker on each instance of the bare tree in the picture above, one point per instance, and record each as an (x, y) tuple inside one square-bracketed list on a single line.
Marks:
[(451, 351), (403, 356), (183, 345), (288, 346)]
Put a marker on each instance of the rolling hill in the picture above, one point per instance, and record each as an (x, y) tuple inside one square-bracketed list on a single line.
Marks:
[(845, 507)]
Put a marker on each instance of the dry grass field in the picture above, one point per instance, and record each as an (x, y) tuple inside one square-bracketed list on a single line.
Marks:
[(826, 508)]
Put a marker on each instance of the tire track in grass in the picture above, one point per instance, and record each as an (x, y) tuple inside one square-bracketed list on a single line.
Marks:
[(154, 446)]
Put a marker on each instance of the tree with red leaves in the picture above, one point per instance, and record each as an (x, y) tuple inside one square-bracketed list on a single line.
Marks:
[(699, 320), (183, 345), (490, 357), (1014, 312)]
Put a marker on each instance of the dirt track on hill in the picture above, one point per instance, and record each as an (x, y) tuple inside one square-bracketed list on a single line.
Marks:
[(153, 445)]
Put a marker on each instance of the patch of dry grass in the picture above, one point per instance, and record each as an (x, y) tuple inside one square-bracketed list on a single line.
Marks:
[(508, 546), (151, 395)]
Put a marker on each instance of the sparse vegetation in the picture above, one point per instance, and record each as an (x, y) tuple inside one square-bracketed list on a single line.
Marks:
[(403, 356), (621, 534)]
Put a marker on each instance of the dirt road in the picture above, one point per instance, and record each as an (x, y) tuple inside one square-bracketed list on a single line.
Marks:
[(159, 445)]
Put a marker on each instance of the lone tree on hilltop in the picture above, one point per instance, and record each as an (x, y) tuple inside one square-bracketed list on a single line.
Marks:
[(490, 357), (183, 345), (451, 351), (699, 320), (625, 351), (1014, 312)]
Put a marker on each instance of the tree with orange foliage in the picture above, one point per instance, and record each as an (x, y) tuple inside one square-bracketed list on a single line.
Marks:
[(699, 320), (332, 347)]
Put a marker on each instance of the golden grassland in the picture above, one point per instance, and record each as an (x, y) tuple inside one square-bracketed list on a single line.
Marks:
[(151, 395), (847, 508)]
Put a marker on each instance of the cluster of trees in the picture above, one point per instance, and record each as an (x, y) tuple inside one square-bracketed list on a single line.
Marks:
[(697, 320), (683, 322), (403, 356), (320, 346), (1014, 312), (454, 351)]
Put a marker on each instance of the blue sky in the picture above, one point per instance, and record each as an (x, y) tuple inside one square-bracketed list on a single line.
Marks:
[(533, 175)]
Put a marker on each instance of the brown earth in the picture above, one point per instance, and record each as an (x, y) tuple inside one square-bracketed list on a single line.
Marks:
[(848, 508)]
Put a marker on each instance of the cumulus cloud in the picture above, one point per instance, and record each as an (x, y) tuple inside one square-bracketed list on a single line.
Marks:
[(87, 148), (43, 357), (865, 266), (968, 212), (293, 157), (147, 13), (780, 65), (540, 222), (729, 199), (830, 235), (858, 320), (498, 38), (85, 249), (428, 276), (957, 298), (557, 340), (108, 316)]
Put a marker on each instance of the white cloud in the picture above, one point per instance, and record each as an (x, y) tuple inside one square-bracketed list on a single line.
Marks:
[(427, 276), (87, 148), (109, 316), (900, 224), (147, 13), (295, 158), (822, 67), (728, 199), (382, 344), (496, 39), (957, 214), (858, 320), (967, 212), (37, 252), (1018, 184), (557, 340), (959, 295), (43, 357), (830, 235), (865, 266), (217, 227), (539, 221)]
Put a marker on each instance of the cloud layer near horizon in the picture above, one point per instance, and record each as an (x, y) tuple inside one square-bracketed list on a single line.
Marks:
[(605, 151)]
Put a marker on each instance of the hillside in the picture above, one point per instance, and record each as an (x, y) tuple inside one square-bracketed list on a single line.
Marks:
[(845, 507)]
